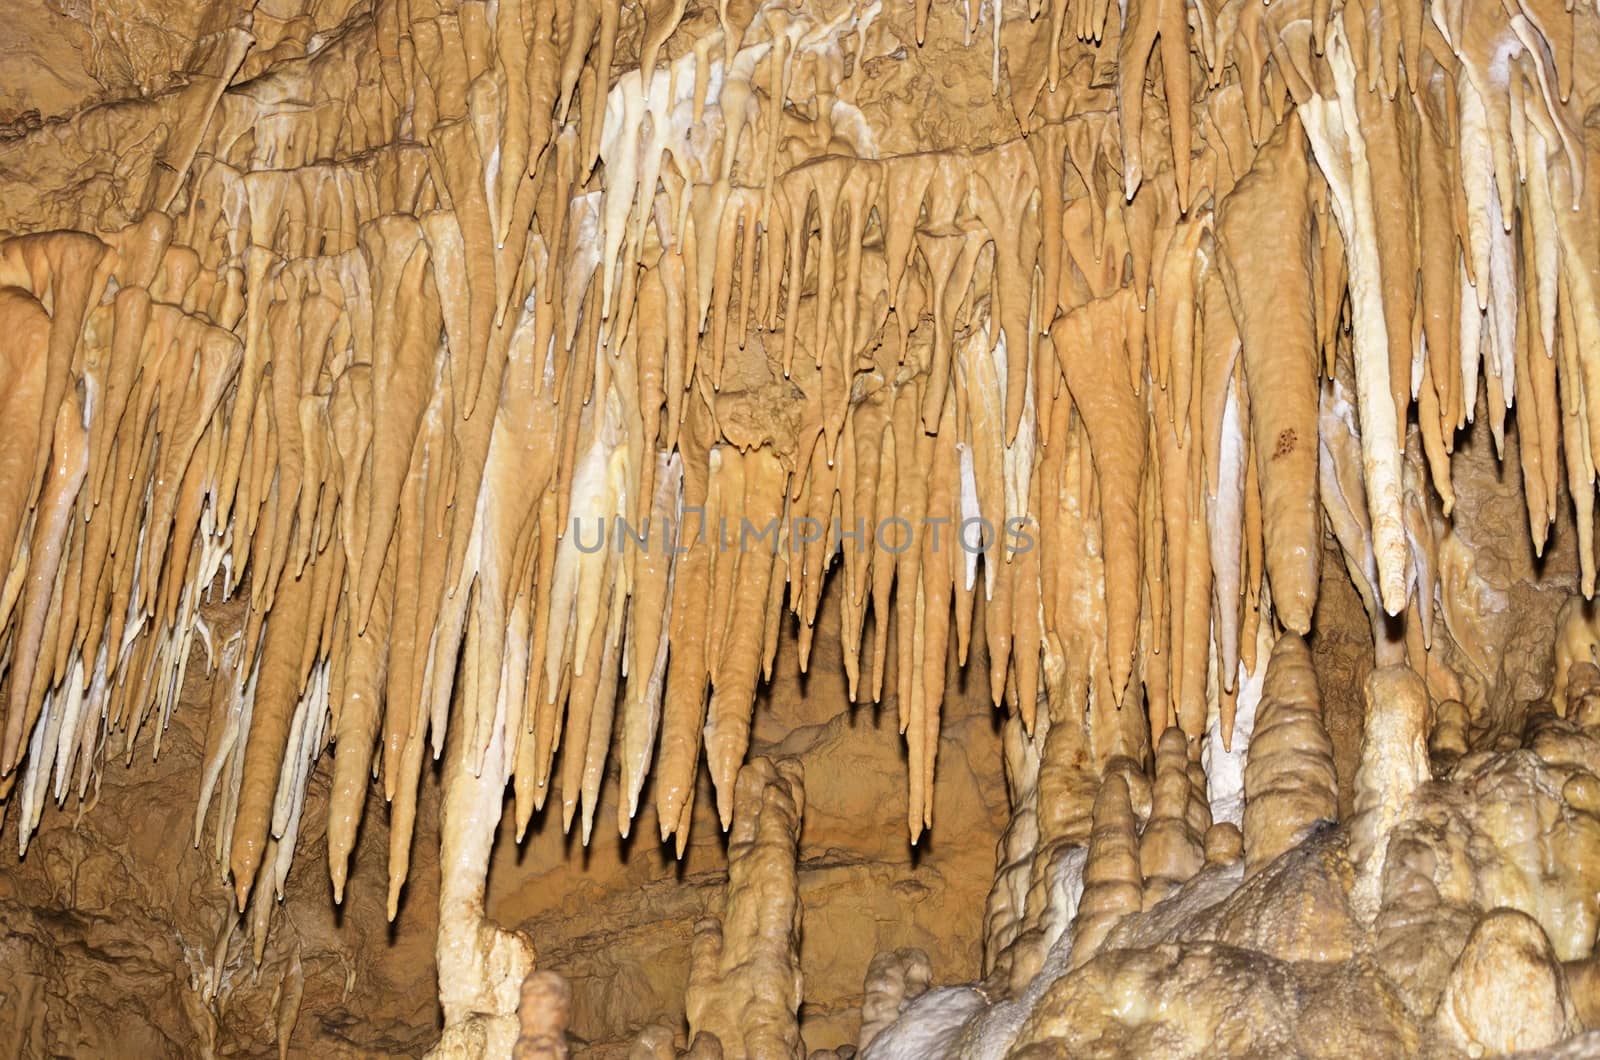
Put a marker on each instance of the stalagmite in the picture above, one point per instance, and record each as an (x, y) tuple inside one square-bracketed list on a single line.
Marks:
[(1007, 901), (1112, 886), (482, 968), (1583, 697), (1507, 951), (480, 381), (1224, 843), (1577, 640), (543, 1011), (744, 975), (1289, 783), (1394, 763), (1448, 738), (1170, 851), (893, 980)]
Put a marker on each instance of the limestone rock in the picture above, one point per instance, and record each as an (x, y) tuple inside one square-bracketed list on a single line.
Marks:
[(1289, 780), (1507, 991)]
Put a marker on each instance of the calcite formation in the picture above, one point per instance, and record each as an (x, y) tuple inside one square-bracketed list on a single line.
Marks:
[(543, 1010), (1289, 780), (468, 408), (744, 973)]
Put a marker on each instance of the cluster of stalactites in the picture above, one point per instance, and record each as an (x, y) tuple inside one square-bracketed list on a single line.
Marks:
[(511, 395)]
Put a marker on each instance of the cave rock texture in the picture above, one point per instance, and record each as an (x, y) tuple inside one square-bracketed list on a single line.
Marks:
[(799, 528)]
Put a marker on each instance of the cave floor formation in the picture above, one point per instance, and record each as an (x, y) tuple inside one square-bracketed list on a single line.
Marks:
[(799, 528)]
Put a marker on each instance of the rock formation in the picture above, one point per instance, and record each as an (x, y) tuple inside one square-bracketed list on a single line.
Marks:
[(744, 972), (1289, 781), (1153, 443)]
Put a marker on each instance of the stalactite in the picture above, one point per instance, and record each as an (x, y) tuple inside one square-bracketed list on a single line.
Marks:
[(513, 364), (1280, 359)]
